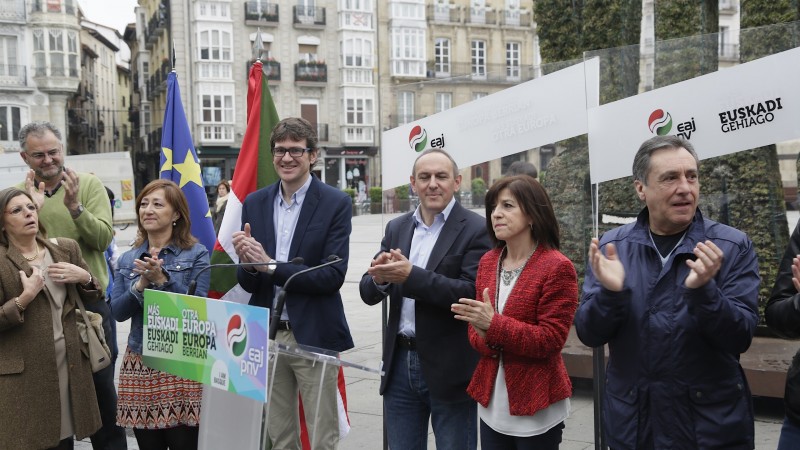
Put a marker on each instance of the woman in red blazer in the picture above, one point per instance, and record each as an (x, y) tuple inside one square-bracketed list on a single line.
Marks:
[(528, 294)]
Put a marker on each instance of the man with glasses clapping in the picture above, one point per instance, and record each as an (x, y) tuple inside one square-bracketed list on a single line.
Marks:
[(75, 205)]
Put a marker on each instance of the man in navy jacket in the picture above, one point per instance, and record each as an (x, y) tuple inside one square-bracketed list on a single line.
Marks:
[(299, 216), (674, 296)]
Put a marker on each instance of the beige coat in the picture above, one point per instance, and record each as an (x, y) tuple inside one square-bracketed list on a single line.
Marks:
[(29, 395)]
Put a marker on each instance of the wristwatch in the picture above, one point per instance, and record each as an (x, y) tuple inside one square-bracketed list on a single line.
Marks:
[(77, 213), (271, 266)]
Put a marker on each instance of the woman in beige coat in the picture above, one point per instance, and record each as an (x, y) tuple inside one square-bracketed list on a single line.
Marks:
[(46, 388)]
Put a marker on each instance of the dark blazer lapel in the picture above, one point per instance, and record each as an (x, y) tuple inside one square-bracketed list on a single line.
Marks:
[(451, 230), (405, 233), (57, 252), (310, 204)]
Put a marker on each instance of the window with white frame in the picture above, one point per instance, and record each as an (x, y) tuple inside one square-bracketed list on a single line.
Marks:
[(56, 42), (39, 55), (216, 10), (72, 53), (8, 56), (408, 9), (405, 107), (478, 52), (216, 112), (146, 117), (441, 57), (477, 11), (215, 45), (10, 123), (408, 52), (359, 106), (444, 101), (357, 52), (477, 95), (512, 12), (512, 60)]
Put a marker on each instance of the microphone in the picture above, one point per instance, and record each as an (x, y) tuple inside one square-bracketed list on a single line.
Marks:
[(278, 310), (193, 284)]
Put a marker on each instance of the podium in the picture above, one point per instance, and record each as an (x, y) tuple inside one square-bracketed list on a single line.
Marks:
[(231, 421)]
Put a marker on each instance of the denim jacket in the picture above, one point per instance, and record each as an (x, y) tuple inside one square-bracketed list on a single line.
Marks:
[(182, 266)]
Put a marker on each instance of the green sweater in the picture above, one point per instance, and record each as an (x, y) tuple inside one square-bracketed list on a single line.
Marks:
[(92, 229)]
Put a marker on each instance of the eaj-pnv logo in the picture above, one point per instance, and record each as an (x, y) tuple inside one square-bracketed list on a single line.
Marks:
[(418, 139), (660, 122), (237, 335)]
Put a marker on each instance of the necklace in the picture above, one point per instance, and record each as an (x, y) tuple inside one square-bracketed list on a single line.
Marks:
[(509, 275), (32, 258)]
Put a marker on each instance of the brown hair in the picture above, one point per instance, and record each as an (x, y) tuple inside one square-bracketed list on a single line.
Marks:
[(182, 231), (296, 129), (226, 184), (6, 195), (534, 202)]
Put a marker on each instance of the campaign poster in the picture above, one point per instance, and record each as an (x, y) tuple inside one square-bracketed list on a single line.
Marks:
[(214, 342)]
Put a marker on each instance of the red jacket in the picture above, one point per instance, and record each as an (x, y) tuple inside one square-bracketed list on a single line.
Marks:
[(530, 333)]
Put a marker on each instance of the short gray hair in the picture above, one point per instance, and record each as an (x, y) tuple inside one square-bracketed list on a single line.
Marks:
[(435, 150), (37, 128), (641, 162)]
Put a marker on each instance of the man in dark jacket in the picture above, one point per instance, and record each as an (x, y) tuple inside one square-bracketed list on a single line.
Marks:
[(427, 261), (783, 316), (674, 296)]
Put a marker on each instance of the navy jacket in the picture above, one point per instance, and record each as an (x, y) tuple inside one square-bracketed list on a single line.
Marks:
[(783, 315), (674, 352), (448, 359), (312, 300)]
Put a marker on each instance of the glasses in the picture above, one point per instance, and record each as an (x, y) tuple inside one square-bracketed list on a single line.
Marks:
[(294, 151), (17, 210), (39, 156)]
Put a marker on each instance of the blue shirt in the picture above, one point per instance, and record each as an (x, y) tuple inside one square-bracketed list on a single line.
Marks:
[(422, 244), (285, 221), (182, 266)]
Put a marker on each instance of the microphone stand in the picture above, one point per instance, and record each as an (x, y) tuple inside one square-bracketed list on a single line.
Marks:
[(278, 310), (193, 284)]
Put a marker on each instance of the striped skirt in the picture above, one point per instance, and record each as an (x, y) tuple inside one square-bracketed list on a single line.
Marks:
[(152, 399)]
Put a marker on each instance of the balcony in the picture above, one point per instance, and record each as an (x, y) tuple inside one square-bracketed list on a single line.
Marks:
[(480, 16), (154, 142), (14, 12), (515, 18), (308, 16), (396, 120), (50, 6), (260, 14), (133, 116), (322, 132), (487, 73), (135, 81), (12, 75), (729, 52), (314, 73), (157, 25), (444, 13), (272, 70)]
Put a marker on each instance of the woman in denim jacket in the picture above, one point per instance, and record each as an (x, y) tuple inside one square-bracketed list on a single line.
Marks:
[(162, 409)]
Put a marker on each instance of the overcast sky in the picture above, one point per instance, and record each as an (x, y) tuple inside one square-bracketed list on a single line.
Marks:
[(113, 13)]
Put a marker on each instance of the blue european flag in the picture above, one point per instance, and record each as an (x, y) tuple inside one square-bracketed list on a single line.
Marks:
[(180, 164)]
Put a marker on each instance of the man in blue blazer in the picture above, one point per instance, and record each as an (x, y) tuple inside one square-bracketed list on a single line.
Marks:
[(428, 260), (299, 216)]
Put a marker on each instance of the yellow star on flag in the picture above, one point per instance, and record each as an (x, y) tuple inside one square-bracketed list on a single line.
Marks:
[(189, 170), (168, 159)]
